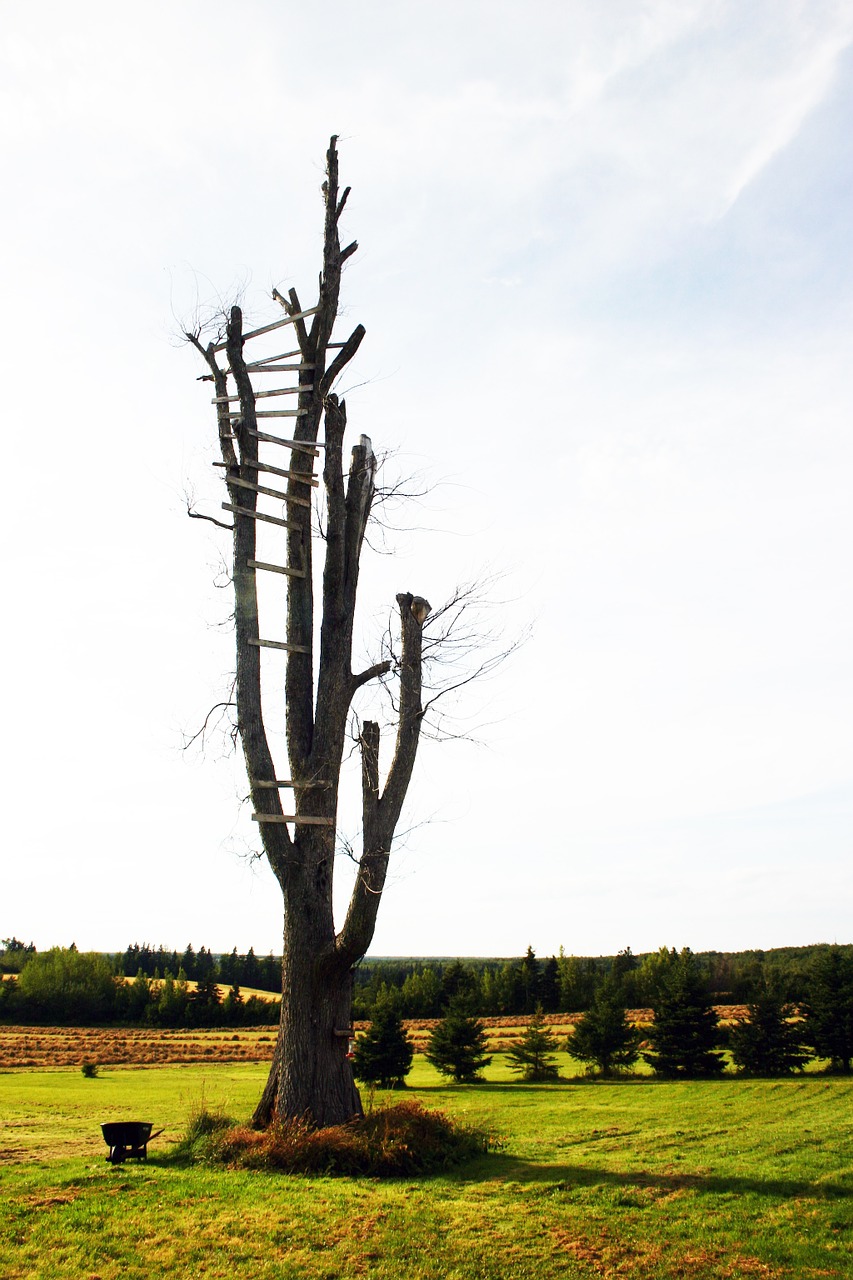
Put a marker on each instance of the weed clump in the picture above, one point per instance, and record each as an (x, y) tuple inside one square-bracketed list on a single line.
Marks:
[(89, 1069), (390, 1142)]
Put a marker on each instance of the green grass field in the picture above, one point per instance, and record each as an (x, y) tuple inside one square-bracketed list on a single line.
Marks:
[(637, 1179)]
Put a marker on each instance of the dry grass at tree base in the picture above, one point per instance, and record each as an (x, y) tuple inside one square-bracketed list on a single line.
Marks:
[(400, 1140), (156, 1046)]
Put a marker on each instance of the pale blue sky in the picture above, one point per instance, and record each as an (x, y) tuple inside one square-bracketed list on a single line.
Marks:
[(605, 271)]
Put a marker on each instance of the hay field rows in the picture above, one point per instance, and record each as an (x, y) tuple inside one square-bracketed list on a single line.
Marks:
[(116, 1046)]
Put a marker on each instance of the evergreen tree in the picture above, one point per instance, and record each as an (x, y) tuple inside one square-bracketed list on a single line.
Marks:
[(205, 1002), (829, 1008), (383, 1055), (457, 1046), (188, 962), (767, 1043), (229, 968), (549, 987), (685, 1033), (604, 1038), (458, 982), (530, 980), (532, 1056)]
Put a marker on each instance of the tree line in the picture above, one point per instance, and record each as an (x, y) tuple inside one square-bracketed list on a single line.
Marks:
[(570, 984), (67, 986), (155, 983)]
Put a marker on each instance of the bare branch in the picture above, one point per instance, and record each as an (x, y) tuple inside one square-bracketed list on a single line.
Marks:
[(201, 733), (378, 669), (342, 359), (198, 515)]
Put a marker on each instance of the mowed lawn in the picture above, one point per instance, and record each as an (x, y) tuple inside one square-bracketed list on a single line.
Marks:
[(634, 1179)]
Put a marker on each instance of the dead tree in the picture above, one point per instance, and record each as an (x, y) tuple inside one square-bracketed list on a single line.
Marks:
[(311, 1074)]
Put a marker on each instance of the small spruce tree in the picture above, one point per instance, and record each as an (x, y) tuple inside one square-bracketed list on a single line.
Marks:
[(685, 1033), (532, 1056), (457, 1046), (383, 1055), (767, 1043), (604, 1039)]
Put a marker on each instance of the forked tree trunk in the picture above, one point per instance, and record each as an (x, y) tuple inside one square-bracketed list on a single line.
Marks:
[(311, 1075)]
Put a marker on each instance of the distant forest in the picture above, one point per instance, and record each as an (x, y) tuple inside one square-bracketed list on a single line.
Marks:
[(171, 988)]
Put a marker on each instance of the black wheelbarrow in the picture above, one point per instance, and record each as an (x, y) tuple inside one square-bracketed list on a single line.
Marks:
[(127, 1140)]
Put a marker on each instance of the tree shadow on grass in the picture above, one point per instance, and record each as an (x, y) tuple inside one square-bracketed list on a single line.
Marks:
[(571, 1177)]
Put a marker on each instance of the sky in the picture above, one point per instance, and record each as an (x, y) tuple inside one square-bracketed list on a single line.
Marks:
[(605, 272)]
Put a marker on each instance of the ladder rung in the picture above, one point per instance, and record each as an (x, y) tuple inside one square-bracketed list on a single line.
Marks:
[(274, 471), (264, 366), (259, 395), (272, 413), (258, 515), (276, 568), (268, 328), (270, 493), (282, 355), (279, 644), (307, 446), (301, 820), (288, 782)]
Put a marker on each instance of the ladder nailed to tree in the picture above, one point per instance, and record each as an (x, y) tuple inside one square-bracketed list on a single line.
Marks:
[(310, 1073)]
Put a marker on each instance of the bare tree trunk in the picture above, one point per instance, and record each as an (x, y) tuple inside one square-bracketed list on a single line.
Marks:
[(310, 1074)]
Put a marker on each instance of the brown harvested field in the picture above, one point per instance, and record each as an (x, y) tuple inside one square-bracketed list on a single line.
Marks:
[(134, 1046), (113, 1046)]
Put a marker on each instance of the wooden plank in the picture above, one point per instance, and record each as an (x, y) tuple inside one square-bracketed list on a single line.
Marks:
[(302, 820), (258, 488), (282, 355), (276, 568), (270, 493), (258, 515), (268, 328), (273, 471), (288, 782), (306, 446), (271, 413), (279, 324), (277, 368), (279, 644), (259, 395), (288, 475)]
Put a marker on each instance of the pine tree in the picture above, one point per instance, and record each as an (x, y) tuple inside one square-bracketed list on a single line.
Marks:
[(383, 1055), (457, 1046), (532, 1055), (530, 979), (604, 1038), (829, 1008), (767, 1043), (685, 1033)]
